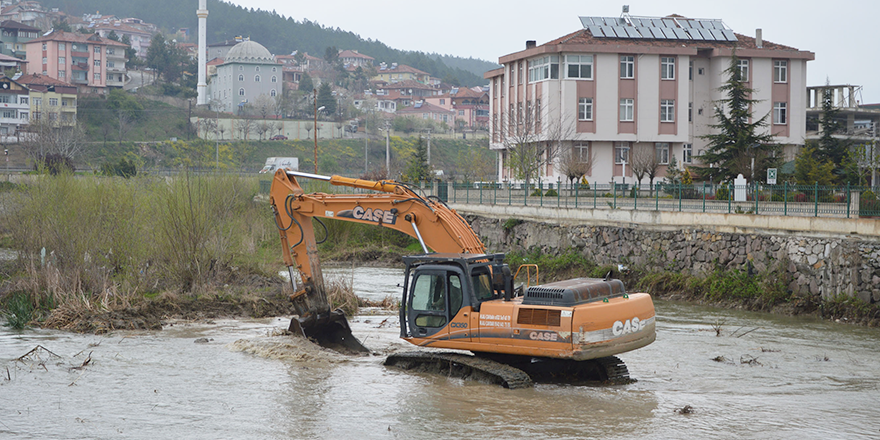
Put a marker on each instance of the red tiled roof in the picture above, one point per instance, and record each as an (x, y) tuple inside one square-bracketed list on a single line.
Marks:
[(401, 68), (425, 108), (406, 84), (352, 54), (42, 80), (10, 24)]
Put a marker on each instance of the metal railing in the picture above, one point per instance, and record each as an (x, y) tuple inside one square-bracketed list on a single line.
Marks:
[(785, 199)]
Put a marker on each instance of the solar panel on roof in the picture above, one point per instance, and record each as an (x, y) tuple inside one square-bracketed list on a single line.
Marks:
[(632, 32), (670, 34), (645, 31), (681, 34), (596, 31), (586, 21), (657, 33), (608, 31), (712, 24), (670, 23), (718, 35), (620, 31), (707, 35), (656, 22), (637, 22), (729, 35)]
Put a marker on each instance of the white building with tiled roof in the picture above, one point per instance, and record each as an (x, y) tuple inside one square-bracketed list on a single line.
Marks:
[(622, 84), (248, 71)]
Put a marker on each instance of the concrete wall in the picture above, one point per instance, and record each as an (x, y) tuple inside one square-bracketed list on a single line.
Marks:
[(823, 257)]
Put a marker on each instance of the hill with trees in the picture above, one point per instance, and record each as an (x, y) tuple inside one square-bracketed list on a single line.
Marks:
[(280, 34)]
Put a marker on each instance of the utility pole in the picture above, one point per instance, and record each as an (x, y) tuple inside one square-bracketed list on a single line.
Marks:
[(366, 145), (315, 91), (429, 147), (387, 150)]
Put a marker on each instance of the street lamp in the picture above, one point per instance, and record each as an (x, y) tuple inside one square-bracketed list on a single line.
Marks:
[(387, 150)]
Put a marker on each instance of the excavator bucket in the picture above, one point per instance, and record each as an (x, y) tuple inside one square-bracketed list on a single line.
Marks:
[(329, 331)]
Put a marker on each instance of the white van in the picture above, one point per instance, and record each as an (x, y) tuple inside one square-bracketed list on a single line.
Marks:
[(273, 163)]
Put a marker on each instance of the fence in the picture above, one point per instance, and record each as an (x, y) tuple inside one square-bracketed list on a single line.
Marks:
[(785, 200)]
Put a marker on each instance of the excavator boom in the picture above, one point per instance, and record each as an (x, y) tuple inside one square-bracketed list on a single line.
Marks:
[(393, 205)]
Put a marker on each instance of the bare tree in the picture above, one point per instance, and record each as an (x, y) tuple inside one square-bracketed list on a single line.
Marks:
[(643, 162), (47, 136), (264, 106), (279, 127), (574, 165), (222, 129), (126, 124), (241, 125), (262, 128), (532, 143)]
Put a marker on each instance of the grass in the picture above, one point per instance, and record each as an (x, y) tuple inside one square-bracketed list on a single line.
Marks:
[(110, 242), (18, 310)]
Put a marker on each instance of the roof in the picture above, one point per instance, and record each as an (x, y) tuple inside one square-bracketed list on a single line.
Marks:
[(75, 37), (10, 24), (224, 43), (10, 58), (249, 52), (583, 37), (354, 54), (401, 68), (406, 84), (424, 107), (36, 79), (118, 27)]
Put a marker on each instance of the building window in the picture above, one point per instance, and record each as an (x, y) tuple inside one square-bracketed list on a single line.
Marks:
[(667, 110), (687, 151), (690, 112), (274, 79), (97, 77), (23, 100), (9, 114), (780, 71), (111, 64), (256, 78), (461, 112), (62, 61), (621, 152), (240, 68), (23, 116), (626, 109), (4, 99), (111, 51), (97, 63), (45, 60), (662, 149), (579, 66), (272, 92), (53, 102), (241, 92), (241, 77), (627, 66), (779, 116), (521, 77), (44, 46), (62, 74), (667, 68), (97, 49), (62, 47), (582, 151), (274, 69), (691, 71), (743, 66), (585, 109), (442, 102), (257, 69), (544, 68)]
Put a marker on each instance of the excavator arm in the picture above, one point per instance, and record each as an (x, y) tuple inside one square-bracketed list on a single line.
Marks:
[(390, 204)]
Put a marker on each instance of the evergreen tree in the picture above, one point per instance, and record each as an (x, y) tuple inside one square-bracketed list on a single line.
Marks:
[(130, 53), (736, 141), (810, 167), (326, 99), (418, 169), (305, 83), (113, 35)]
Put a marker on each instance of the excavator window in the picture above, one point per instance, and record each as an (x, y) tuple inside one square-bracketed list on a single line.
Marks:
[(429, 295), (455, 296), (482, 286)]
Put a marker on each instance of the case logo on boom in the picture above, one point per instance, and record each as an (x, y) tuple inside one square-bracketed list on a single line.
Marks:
[(628, 326), (369, 214)]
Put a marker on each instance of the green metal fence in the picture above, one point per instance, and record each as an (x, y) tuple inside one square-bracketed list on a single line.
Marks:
[(786, 200)]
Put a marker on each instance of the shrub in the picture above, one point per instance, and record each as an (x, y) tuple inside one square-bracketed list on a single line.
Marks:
[(123, 168), (54, 164), (536, 193), (511, 223), (18, 310), (551, 193), (722, 193)]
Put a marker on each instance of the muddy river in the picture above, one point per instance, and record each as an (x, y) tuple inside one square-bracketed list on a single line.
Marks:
[(772, 377)]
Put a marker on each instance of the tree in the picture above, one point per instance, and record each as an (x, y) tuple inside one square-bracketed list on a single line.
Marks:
[(166, 58), (113, 36), (643, 162), (530, 142), (811, 167), (130, 53), (61, 25), (331, 55), (736, 142), (306, 85), (326, 99), (45, 136), (418, 169), (574, 167)]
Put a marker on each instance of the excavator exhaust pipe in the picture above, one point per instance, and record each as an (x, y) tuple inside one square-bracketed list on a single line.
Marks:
[(330, 330)]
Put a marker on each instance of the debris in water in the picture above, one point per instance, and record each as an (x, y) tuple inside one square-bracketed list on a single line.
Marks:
[(203, 340), (84, 364), (687, 409), (750, 360), (722, 359), (769, 350)]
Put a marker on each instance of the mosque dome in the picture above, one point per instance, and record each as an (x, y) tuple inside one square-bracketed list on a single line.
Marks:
[(249, 52)]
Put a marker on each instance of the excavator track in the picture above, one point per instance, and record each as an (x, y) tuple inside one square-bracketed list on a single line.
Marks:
[(461, 366)]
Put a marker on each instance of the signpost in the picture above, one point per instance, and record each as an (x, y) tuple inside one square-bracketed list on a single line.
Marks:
[(771, 176)]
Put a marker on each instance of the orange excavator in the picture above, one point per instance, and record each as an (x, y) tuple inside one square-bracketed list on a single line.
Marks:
[(457, 296)]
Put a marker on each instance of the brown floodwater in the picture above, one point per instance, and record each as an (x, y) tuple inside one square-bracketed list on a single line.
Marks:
[(778, 377)]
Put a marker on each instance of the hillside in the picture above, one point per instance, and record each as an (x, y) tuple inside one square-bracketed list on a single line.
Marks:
[(276, 32)]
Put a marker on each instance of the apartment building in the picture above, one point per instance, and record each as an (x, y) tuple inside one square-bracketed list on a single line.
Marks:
[(14, 106), (471, 107), (14, 37), (619, 85), (90, 62), (354, 58), (400, 72), (50, 99)]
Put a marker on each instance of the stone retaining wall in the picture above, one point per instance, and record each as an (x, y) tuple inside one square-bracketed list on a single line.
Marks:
[(822, 266)]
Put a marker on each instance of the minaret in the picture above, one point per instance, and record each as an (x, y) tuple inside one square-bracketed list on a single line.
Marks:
[(203, 49)]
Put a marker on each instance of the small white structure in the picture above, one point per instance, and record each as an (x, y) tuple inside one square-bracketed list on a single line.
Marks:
[(739, 188), (274, 163)]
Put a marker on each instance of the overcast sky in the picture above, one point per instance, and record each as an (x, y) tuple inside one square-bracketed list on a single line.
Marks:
[(842, 33)]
